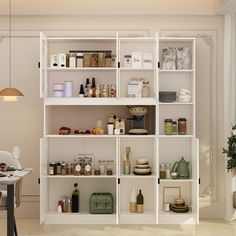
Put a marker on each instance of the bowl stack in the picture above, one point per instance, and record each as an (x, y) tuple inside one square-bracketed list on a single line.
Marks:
[(142, 167), (179, 206)]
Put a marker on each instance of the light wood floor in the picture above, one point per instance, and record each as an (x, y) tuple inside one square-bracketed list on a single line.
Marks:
[(205, 228)]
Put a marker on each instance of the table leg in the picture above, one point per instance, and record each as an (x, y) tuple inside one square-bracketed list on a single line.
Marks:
[(10, 210)]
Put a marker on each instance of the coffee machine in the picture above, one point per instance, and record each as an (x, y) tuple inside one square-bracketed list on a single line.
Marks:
[(138, 120)]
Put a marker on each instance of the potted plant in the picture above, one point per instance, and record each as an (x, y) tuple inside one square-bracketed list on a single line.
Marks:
[(230, 151)]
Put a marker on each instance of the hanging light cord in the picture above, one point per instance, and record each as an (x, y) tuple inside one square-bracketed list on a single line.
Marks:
[(10, 43)]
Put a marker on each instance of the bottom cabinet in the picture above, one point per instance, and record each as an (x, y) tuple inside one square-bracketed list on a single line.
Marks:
[(60, 189), (129, 189)]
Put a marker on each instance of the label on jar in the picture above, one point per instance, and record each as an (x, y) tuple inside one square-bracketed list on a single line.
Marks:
[(88, 168), (78, 168)]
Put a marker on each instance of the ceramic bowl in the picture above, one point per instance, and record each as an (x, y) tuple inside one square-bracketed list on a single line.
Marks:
[(141, 161), (184, 98)]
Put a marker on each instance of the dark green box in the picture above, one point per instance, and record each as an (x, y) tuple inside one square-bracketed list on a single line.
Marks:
[(101, 203)]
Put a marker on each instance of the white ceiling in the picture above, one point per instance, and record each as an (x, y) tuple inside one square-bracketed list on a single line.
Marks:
[(108, 7)]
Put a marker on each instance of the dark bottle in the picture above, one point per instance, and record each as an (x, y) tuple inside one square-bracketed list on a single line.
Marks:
[(86, 88), (75, 199), (81, 91), (93, 87), (140, 202)]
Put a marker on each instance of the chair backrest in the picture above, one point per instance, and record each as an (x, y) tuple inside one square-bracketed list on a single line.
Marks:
[(11, 160)]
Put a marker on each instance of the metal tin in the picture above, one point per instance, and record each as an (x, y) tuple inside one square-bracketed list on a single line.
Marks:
[(52, 168)]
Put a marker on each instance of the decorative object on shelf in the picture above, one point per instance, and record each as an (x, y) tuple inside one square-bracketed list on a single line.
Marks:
[(182, 126), (128, 61), (120, 124), (167, 207), (101, 203), (10, 94), (170, 193), (110, 167), (75, 199), (138, 120), (81, 91), (182, 168), (147, 60), (68, 88), (58, 86), (168, 171), (113, 61), (110, 128), (126, 156), (179, 206), (135, 88), (184, 95), (230, 151), (167, 96), (133, 200), (145, 89), (112, 91), (168, 128), (169, 58), (62, 60), (54, 61), (183, 58), (87, 88), (98, 91), (142, 167), (64, 131), (162, 171), (136, 59), (140, 202)]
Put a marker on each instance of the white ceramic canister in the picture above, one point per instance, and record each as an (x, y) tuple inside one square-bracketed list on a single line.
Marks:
[(68, 88), (110, 128), (58, 93)]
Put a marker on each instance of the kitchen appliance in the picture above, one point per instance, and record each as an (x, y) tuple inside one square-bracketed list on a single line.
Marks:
[(101, 203), (138, 120), (182, 168)]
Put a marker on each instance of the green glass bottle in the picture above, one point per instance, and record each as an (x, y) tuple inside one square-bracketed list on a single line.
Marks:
[(75, 199), (140, 202)]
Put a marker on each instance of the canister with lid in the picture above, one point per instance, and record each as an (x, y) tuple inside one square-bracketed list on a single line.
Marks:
[(80, 59), (182, 126), (68, 90), (168, 126)]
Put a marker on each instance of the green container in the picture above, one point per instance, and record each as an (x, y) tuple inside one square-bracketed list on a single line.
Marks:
[(101, 203)]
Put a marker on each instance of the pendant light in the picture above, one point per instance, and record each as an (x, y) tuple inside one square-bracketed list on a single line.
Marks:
[(10, 94)]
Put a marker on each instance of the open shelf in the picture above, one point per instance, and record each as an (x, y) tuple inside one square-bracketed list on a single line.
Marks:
[(78, 69), (78, 176)]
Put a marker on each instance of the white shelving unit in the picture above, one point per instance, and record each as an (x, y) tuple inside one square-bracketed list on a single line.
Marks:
[(82, 113)]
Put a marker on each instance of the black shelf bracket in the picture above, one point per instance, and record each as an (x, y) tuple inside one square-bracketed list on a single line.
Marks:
[(39, 65), (38, 180), (159, 181), (199, 181), (118, 64), (118, 180)]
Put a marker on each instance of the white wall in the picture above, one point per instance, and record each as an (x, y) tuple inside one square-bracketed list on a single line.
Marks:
[(21, 123)]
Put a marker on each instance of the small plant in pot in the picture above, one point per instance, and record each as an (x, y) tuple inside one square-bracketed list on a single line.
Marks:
[(230, 151)]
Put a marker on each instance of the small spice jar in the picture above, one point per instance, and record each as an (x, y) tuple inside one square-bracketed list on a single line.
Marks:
[(63, 169), (168, 126), (58, 168), (97, 171), (98, 91), (108, 60), (167, 171), (78, 168), (52, 168), (110, 167), (182, 126), (105, 91), (87, 61), (162, 171), (112, 91), (101, 165), (128, 61), (174, 127), (101, 59), (87, 167), (69, 168), (94, 60), (145, 89), (80, 59)]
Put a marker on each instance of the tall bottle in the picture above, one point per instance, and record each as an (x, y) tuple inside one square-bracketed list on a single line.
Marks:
[(133, 200), (93, 87), (87, 87), (140, 202), (75, 199)]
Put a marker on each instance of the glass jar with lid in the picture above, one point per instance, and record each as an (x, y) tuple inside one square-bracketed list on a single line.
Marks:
[(110, 167), (182, 126), (168, 126), (145, 89)]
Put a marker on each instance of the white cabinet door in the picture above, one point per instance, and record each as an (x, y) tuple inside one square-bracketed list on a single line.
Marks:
[(43, 179)]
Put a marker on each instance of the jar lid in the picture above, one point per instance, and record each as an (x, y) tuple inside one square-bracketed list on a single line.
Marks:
[(168, 120), (127, 56), (182, 119), (174, 122)]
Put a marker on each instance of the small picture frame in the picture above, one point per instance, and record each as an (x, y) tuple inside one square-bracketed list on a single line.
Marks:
[(170, 193)]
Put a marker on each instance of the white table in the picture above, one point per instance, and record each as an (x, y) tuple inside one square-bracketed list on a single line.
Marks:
[(10, 180)]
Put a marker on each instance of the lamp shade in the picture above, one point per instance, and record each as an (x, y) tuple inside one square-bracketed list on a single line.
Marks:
[(11, 92)]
